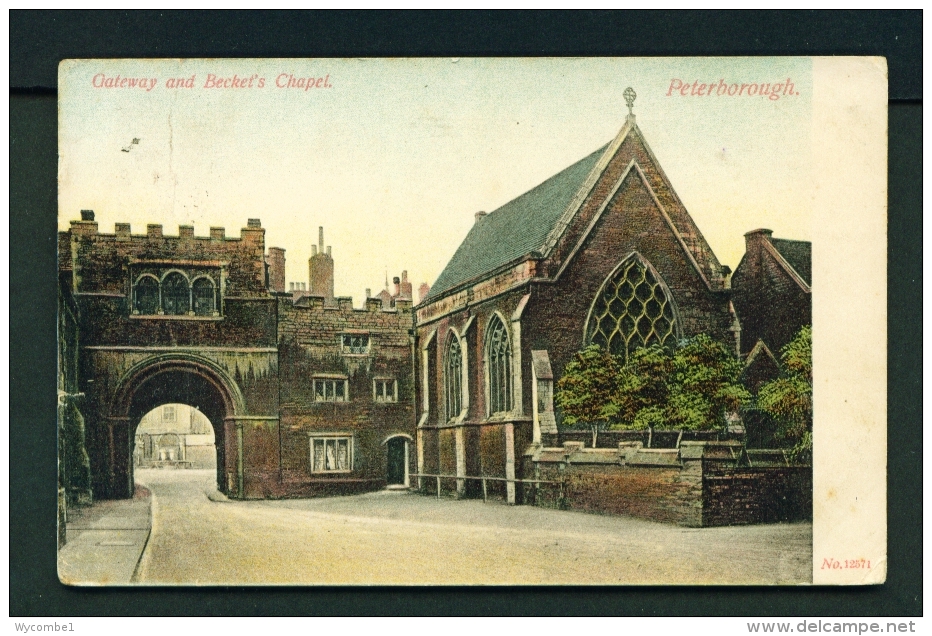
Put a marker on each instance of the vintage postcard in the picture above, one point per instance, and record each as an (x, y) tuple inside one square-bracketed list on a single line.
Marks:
[(472, 321)]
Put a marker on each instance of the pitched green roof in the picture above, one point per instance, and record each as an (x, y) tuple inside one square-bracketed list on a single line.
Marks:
[(798, 254), (517, 228)]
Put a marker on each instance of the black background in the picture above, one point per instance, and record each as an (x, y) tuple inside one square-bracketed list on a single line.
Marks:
[(39, 40)]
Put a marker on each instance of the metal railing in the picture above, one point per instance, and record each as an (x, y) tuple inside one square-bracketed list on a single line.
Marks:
[(485, 479)]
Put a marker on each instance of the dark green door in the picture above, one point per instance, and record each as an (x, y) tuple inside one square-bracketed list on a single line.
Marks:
[(396, 460)]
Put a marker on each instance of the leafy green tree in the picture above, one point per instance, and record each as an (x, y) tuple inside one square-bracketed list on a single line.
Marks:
[(789, 398), (586, 390), (691, 388), (642, 392), (704, 385)]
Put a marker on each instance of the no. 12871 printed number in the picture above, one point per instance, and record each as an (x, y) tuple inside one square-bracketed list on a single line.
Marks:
[(847, 564)]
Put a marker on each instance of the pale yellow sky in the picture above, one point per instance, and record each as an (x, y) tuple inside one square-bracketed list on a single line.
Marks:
[(393, 157)]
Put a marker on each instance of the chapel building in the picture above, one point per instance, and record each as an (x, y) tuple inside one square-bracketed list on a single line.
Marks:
[(603, 252)]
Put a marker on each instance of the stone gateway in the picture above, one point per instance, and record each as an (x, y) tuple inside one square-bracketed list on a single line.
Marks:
[(305, 394)]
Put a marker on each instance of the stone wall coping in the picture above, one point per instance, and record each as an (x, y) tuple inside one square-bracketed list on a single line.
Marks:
[(316, 302), (711, 443), (708, 450)]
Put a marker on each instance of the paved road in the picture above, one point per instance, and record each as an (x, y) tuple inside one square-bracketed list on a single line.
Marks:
[(403, 538)]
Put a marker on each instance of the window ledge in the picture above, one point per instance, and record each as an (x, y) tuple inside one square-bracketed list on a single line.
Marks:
[(167, 317), (505, 418)]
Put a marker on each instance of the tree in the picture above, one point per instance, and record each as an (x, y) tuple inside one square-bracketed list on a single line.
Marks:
[(642, 393), (705, 384), (691, 388), (586, 391), (789, 398)]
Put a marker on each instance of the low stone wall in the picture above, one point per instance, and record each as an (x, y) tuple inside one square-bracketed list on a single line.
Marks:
[(699, 484), (612, 438)]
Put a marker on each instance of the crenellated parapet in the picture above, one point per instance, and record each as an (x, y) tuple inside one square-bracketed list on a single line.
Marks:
[(105, 263)]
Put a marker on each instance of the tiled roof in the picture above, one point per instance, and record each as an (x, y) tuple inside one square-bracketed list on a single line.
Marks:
[(534, 221), (798, 254), (516, 229)]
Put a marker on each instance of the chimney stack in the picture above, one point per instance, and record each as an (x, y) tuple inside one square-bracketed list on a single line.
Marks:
[(320, 268), (422, 292), (480, 215), (86, 226), (397, 282), (406, 288), (276, 269), (755, 236)]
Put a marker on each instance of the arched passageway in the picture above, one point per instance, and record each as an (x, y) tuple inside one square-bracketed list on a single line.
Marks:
[(175, 436), (164, 383)]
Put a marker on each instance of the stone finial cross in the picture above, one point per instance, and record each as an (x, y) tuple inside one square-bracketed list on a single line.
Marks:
[(630, 96)]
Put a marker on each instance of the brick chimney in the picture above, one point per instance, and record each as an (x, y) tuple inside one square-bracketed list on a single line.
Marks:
[(320, 267), (253, 233), (276, 269), (754, 238), (422, 292), (406, 288), (87, 226)]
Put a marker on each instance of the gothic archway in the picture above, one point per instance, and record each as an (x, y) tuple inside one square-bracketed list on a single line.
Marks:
[(166, 380)]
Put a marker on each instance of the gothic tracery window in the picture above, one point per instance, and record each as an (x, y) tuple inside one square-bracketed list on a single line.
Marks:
[(498, 367), (453, 378), (632, 310)]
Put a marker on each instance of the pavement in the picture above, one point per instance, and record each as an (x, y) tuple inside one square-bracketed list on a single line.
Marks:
[(403, 538), (105, 541)]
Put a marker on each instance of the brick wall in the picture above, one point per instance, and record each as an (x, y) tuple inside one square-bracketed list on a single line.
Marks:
[(658, 493), (698, 489), (765, 495)]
